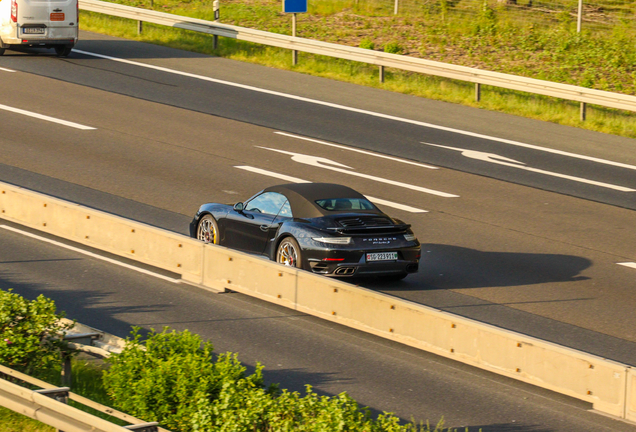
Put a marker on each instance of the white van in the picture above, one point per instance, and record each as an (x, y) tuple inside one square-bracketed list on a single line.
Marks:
[(39, 23)]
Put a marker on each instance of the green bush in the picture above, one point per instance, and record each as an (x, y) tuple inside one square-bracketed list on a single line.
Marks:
[(393, 48), (176, 382), (31, 337), (367, 44), (168, 379)]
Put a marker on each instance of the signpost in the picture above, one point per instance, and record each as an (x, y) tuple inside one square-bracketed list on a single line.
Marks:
[(293, 7)]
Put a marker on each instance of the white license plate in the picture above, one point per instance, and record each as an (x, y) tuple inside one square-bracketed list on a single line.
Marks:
[(33, 30), (382, 256)]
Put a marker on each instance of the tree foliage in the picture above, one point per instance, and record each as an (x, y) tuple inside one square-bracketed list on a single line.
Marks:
[(31, 336)]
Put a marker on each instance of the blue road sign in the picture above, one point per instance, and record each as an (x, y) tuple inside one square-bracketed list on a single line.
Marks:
[(294, 6)]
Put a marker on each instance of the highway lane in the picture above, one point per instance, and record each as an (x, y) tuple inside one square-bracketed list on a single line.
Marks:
[(295, 349), (608, 181), (532, 261)]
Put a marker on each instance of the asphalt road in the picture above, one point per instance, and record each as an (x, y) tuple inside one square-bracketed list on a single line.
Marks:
[(294, 348), (534, 248)]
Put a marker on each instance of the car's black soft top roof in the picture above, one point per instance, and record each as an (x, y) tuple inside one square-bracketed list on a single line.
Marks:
[(303, 196)]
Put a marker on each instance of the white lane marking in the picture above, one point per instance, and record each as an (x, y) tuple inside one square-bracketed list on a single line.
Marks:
[(361, 111), (6, 70), (334, 166), (298, 180), (628, 264), (90, 254), (405, 161), (47, 118), (501, 160)]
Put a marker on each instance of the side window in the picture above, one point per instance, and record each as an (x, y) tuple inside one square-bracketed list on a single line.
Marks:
[(286, 211), (266, 203)]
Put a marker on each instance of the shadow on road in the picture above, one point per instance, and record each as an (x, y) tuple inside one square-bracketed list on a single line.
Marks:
[(452, 267)]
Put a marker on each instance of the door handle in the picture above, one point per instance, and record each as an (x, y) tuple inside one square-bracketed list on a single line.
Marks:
[(264, 227)]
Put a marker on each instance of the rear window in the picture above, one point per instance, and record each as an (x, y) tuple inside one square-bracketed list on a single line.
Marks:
[(345, 204)]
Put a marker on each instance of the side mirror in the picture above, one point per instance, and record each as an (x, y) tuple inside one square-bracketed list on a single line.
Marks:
[(239, 206)]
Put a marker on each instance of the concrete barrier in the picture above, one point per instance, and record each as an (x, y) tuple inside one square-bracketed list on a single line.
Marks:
[(630, 408), (137, 241), (609, 386)]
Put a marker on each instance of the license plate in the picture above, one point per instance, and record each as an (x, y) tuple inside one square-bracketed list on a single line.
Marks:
[(382, 256), (57, 16), (33, 30)]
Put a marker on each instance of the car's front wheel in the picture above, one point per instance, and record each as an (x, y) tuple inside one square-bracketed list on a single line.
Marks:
[(288, 253), (208, 230)]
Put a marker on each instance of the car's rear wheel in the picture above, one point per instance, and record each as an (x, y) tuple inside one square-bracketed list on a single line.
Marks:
[(208, 230), (288, 253)]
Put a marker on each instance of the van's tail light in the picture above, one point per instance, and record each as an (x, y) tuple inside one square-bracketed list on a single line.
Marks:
[(14, 10), (77, 12)]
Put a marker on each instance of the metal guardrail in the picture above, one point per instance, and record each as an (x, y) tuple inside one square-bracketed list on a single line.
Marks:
[(48, 406), (381, 59)]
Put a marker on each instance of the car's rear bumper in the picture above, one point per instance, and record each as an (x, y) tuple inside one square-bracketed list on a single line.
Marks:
[(339, 263)]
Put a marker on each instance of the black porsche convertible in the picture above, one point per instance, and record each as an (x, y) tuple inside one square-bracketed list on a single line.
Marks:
[(324, 228)]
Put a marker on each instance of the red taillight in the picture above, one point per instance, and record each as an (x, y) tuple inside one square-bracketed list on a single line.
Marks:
[(14, 10), (333, 259), (77, 10)]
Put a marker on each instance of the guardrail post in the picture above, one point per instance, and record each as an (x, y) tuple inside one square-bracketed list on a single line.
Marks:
[(381, 73), (60, 394), (217, 16), (477, 92), (583, 111), (140, 27)]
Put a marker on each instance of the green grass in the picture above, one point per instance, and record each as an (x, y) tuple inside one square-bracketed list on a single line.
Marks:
[(518, 103)]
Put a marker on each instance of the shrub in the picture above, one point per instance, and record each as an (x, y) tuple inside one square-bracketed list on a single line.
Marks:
[(176, 382), (31, 337), (168, 379), (367, 44), (393, 48)]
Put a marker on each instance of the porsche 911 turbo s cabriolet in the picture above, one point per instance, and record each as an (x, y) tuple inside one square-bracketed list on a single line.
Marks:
[(323, 228)]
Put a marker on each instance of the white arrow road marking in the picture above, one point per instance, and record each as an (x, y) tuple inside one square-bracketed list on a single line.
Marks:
[(47, 118), (321, 162), (628, 264), (405, 161), (298, 180), (501, 160), (90, 254)]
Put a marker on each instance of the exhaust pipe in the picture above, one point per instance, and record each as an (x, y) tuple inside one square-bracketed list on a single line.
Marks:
[(345, 271)]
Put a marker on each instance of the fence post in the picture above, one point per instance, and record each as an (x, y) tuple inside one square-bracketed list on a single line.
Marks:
[(579, 17)]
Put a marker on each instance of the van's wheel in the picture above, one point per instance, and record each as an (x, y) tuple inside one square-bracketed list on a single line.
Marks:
[(288, 253), (208, 230), (63, 50)]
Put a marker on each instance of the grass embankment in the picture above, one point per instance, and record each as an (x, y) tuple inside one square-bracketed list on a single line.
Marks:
[(517, 40)]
